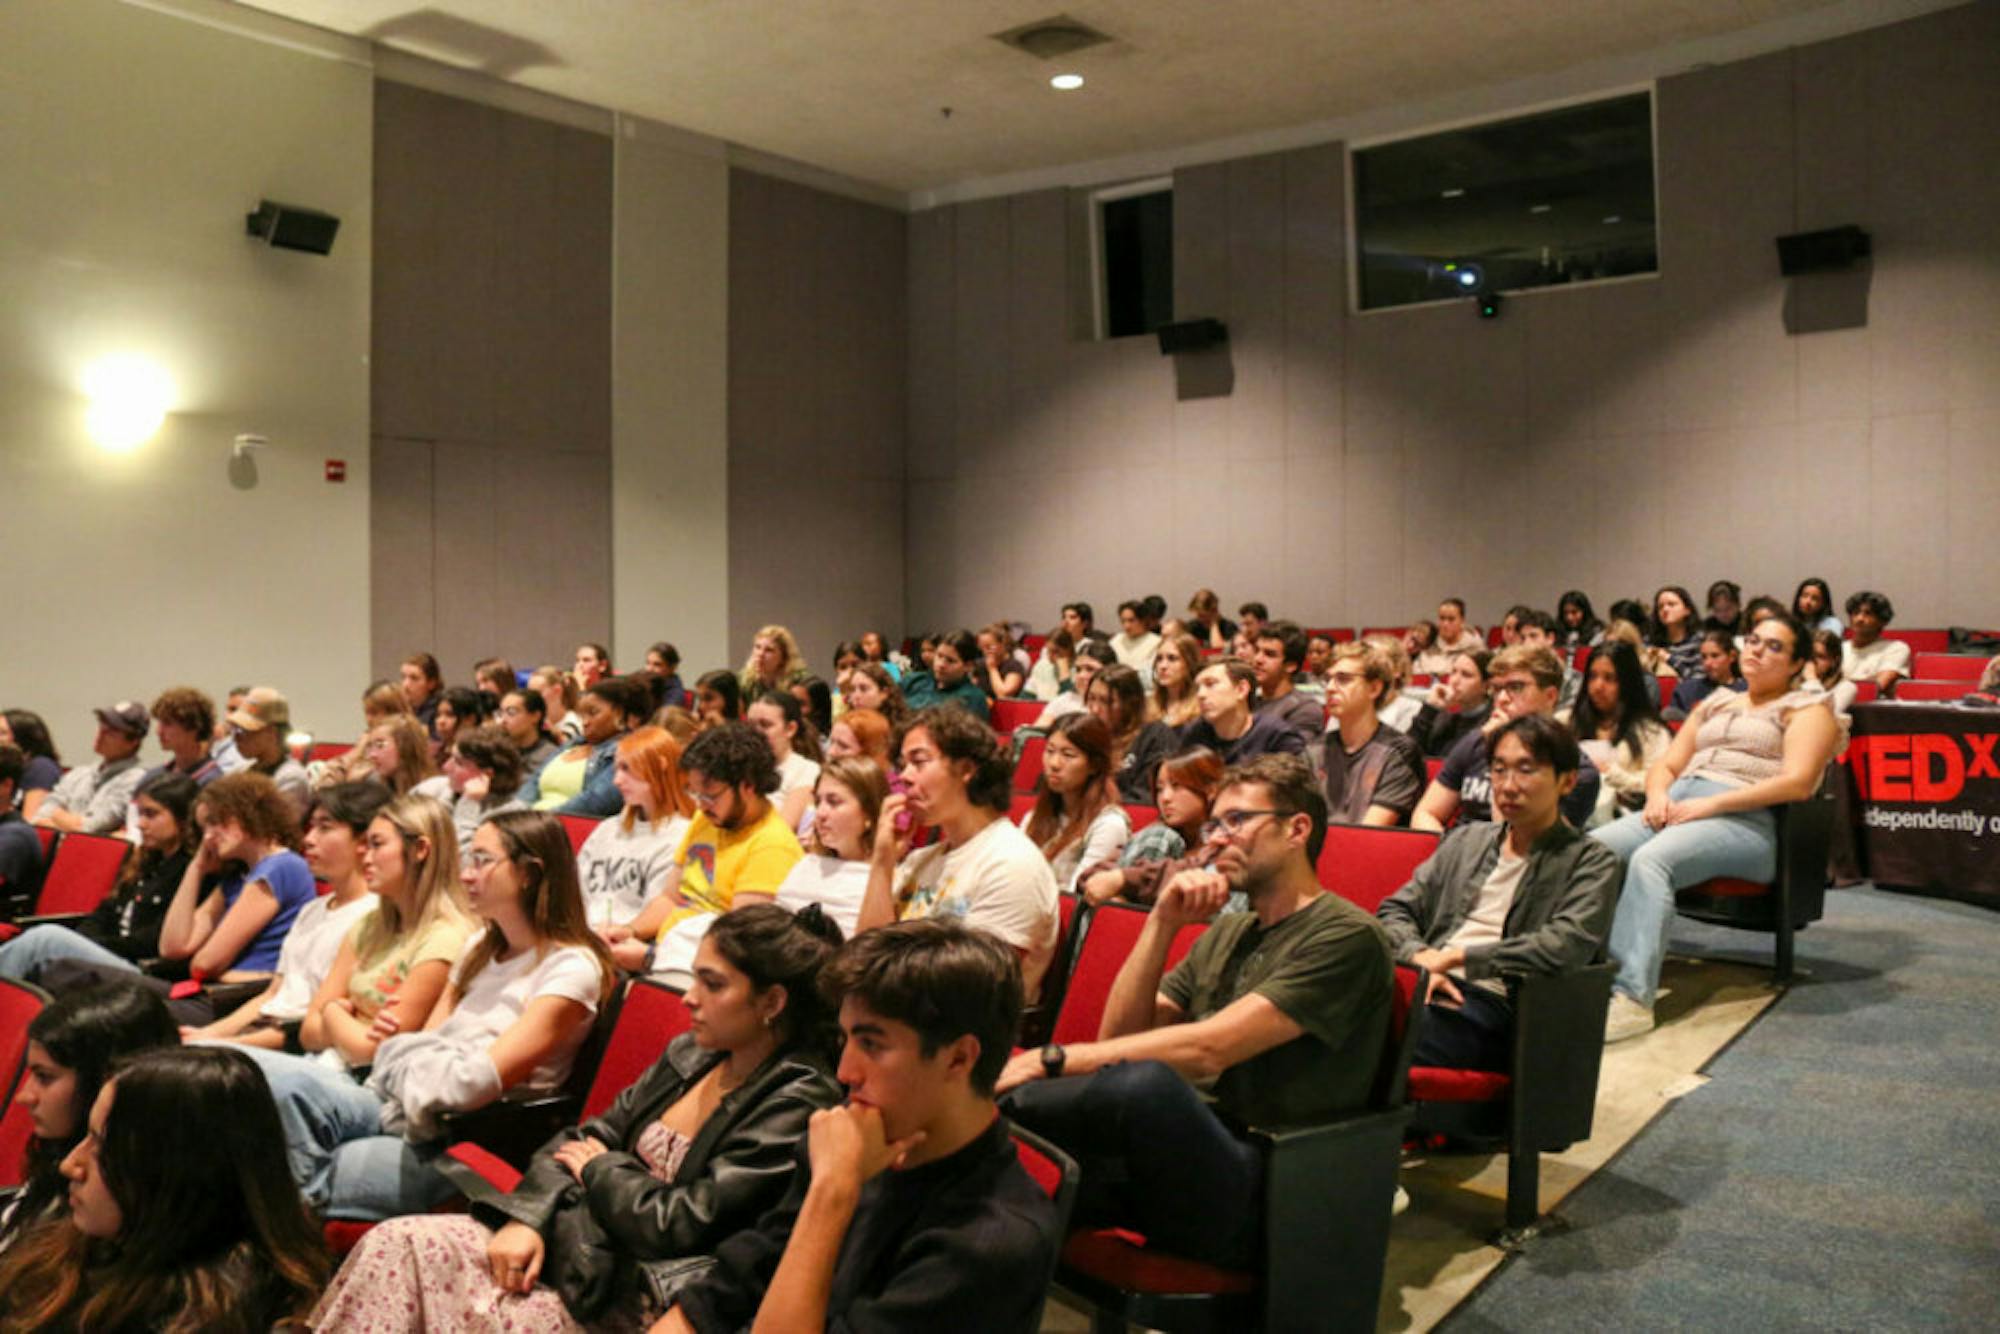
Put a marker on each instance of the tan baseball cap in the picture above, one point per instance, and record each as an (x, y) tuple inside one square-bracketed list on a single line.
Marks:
[(263, 707)]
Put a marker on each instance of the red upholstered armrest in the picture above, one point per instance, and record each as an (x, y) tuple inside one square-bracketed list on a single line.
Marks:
[(496, 1171), (1430, 1083), (1727, 887), (1121, 1258)]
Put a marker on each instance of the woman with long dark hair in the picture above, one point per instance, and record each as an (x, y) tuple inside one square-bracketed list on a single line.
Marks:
[(1117, 696), (951, 678), (1618, 727), (795, 745), (718, 698), (1676, 629), (72, 1046), (690, 1153), (1719, 671), (578, 781), (27, 730), (1077, 819), (1577, 625), (1812, 603), (174, 1226)]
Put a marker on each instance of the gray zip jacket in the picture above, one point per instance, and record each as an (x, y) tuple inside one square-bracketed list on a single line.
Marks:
[(1560, 916)]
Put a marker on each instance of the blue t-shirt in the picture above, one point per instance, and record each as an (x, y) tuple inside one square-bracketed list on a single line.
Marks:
[(291, 883), (41, 775), (1467, 771)]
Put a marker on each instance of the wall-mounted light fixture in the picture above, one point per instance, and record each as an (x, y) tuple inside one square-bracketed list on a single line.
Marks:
[(129, 399)]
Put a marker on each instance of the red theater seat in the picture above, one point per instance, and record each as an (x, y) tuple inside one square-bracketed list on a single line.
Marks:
[(1930, 691), (1791, 902), (1009, 714), (1922, 641), (579, 828), (1105, 937), (1947, 667), (19, 1004), (1365, 865), (83, 870), (1028, 769)]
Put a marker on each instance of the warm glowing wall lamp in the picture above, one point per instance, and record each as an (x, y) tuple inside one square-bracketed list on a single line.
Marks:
[(129, 399)]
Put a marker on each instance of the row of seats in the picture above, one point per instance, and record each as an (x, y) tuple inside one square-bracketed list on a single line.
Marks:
[(81, 870)]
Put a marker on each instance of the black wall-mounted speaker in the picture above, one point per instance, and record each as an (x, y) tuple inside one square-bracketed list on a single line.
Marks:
[(1191, 336), (290, 227), (1822, 252)]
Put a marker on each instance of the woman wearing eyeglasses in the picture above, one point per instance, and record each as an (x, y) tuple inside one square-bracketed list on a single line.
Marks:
[(1708, 805)]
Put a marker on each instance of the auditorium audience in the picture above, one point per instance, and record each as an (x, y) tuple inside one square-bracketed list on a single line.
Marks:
[(260, 723), (338, 820), (981, 869), (1708, 805), (24, 728), (484, 771), (1537, 629), (737, 847), (1523, 894), (875, 648), (172, 1226), (815, 697), (1174, 666), (1812, 604), (1673, 627), (718, 697), (1049, 676), (1006, 667), (873, 686), (1186, 784), (1250, 618), (20, 845), (628, 859), (863, 732), (1077, 820), (1117, 697), (1618, 728), (1279, 1014), (1719, 671), (1577, 625), (1092, 656), (1135, 643), (1278, 655), (459, 709), (92, 798), (795, 746), (125, 927), (1373, 774), (1868, 656), (1206, 624), (691, 1153), (495, 677), (421, 682), (663, 660), (559, 699), (592, 664), (1524, 681), (517, 1005), (1226, 691), (73, 1045), (1456, 703), (909, 1208), (1725, 607), (847, 803), (774, 662), (523, 715), (398, 751), (1826, 672), (948, 679), (1399, 708), (579, 781)]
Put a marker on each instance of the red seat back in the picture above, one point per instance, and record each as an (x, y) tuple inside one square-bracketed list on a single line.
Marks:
[(1932, 690), (48, 837), (1922, 641), (1866, 692), (1029, 769), (1433, 766), (327, 750), (1008, 714), (1141, 816), (1947, 667), (1365, 865), (1339, 634), (1108, 936), (651, 1016), (1384, 631), (579, 828), (83, 871), (1032, 644), (19, 1004), (1022, 803)]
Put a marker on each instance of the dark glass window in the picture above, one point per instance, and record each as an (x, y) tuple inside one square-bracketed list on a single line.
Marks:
[(1558, 197), (1138, 263)]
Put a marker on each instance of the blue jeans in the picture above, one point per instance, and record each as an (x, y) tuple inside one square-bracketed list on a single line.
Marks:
[(344, 1165), (1658, 862), (25, 955)]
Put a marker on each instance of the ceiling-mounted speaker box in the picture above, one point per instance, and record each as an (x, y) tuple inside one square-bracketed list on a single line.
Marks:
[(289, 227), (1822, 252), (1191, 336)]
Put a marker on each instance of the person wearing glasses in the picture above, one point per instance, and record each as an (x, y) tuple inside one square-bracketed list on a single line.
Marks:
[(1708, 805), (737, 849), (1373, 773), (1279, 1012), (1523, 680), (1522, 894)]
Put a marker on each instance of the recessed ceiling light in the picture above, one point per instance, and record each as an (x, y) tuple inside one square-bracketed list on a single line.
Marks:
[(1539, 208), (1066, 81), (1613, 220), (1452, 193)]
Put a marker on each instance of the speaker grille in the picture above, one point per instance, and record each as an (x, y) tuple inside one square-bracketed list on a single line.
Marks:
[(1046, 39)]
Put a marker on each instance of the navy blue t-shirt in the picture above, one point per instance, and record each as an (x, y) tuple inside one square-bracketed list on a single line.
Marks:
[(291, 883), (1465, 772)]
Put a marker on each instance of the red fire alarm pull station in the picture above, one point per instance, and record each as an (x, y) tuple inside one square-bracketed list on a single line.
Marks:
[(336, 470)]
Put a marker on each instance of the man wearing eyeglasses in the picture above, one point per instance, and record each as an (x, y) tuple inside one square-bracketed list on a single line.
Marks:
[(1524, 680), (1524, 894), (739, 844), (1276, 1017), (1373, 773)]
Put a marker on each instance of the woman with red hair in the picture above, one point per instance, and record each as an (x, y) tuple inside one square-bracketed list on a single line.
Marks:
[(625, 860)]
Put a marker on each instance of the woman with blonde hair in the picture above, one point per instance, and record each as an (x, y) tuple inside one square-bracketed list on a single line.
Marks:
[(399, 756), (872, 686), (559, 694), (774, 662), (1175, 666), (516, 1005), (847, 803), (625, 861), (380, 702), (1006, 668)]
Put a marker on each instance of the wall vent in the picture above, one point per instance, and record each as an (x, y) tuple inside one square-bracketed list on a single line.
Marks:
[(1046, 39)]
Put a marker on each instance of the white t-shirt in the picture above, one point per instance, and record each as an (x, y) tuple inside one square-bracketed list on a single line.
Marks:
[(834, 883), (795, 772), (620, 871), (1103, 840), (998, 881), (1486, 924), (308, 953), (501, 992), (1865, 664)]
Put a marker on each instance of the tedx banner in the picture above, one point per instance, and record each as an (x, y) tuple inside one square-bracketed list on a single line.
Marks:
[(1922, 793)]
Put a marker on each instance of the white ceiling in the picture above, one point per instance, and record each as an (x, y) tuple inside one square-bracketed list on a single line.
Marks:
[(858, 87)]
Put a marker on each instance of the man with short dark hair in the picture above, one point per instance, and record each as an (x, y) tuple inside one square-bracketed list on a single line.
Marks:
[(1499, 899), (1226, 693), (1134, 644), (92, 798), (1867, 656), (1250, 619), (910, 1209), (1537, 629), (1279, 1013), (1081, 622), (1523, 681), (1278, 652), (20, 845), (1373, 773), (260, 724), (1454, 635), (738, 846)]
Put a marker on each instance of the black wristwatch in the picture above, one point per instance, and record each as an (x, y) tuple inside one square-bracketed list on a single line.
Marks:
[(1053, 1057)]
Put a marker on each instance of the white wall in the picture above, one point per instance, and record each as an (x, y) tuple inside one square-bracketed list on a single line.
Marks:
[(670, 396), (131, 145)]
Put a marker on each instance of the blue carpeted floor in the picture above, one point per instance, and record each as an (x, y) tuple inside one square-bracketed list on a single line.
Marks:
[(1841, 1169)]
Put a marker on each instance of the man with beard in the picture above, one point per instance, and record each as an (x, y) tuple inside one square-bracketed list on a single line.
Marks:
[(1276, 1017)]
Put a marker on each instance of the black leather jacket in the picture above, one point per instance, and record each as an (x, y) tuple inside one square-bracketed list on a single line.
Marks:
[(600, 1232)]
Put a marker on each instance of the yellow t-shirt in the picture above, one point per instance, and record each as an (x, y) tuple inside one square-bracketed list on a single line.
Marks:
[(718, 864), (377, 976)]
